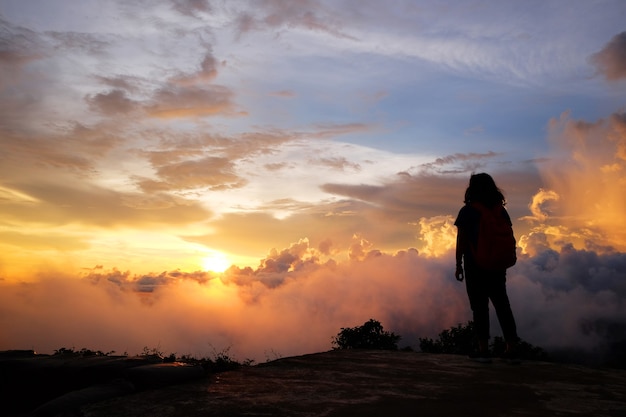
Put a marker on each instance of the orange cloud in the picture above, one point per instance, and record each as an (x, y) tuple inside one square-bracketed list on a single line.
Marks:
[(207, 73), (439, 235), (210, 172), (585, 178), (588, 174), (183, 102), (538, 205), (61, 205), (251, 310), (112, 103), (297, 299)]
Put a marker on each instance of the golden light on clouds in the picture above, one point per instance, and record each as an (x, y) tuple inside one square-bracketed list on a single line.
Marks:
[(586, 181), (215, 262), (439, 235), (8, 194)]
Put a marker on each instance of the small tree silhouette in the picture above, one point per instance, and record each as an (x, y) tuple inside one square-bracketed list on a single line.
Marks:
[(368, 336)]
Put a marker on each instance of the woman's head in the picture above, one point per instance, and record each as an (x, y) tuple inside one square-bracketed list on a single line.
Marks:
[(483, 189)]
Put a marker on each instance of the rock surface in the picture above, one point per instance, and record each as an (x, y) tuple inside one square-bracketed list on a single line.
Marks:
[(383, 383), (44, 385)]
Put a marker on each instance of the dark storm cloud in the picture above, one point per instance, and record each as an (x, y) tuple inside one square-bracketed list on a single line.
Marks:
[(611, 60), (570, 268)]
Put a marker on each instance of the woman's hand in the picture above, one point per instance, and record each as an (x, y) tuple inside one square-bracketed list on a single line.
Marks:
[(458, 274)]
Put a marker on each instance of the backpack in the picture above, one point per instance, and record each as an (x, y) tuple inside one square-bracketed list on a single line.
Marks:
[(495, 249)]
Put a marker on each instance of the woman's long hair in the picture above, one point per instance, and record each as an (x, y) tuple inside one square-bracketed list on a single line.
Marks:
[(483, 189)]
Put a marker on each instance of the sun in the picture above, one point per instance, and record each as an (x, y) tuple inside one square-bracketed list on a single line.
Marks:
[(215, 262)]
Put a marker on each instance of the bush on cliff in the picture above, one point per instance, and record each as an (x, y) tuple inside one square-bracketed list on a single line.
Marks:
[(370, 335), (457, 340), (460, 340)]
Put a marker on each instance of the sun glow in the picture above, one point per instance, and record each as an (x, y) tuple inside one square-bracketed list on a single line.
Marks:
[(216, 262)]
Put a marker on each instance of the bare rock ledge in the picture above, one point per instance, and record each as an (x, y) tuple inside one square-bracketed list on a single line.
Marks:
[(383, 383)]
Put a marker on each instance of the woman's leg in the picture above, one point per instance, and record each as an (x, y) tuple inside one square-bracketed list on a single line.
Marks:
[(500, 301), (479, 303)]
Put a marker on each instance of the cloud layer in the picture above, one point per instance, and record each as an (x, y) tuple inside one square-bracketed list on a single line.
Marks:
[(298, 299)]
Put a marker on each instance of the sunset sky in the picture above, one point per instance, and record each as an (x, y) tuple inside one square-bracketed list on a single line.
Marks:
[(320, 151)]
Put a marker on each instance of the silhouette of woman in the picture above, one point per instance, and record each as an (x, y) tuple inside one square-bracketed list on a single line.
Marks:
[(483, 284)]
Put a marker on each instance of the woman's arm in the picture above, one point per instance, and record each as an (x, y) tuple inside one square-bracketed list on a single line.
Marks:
[(461, 242)]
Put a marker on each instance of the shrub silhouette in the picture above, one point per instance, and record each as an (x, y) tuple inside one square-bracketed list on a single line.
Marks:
[(460, 340), (457, 340), (368, 336), (84, 352), (524, 349)]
